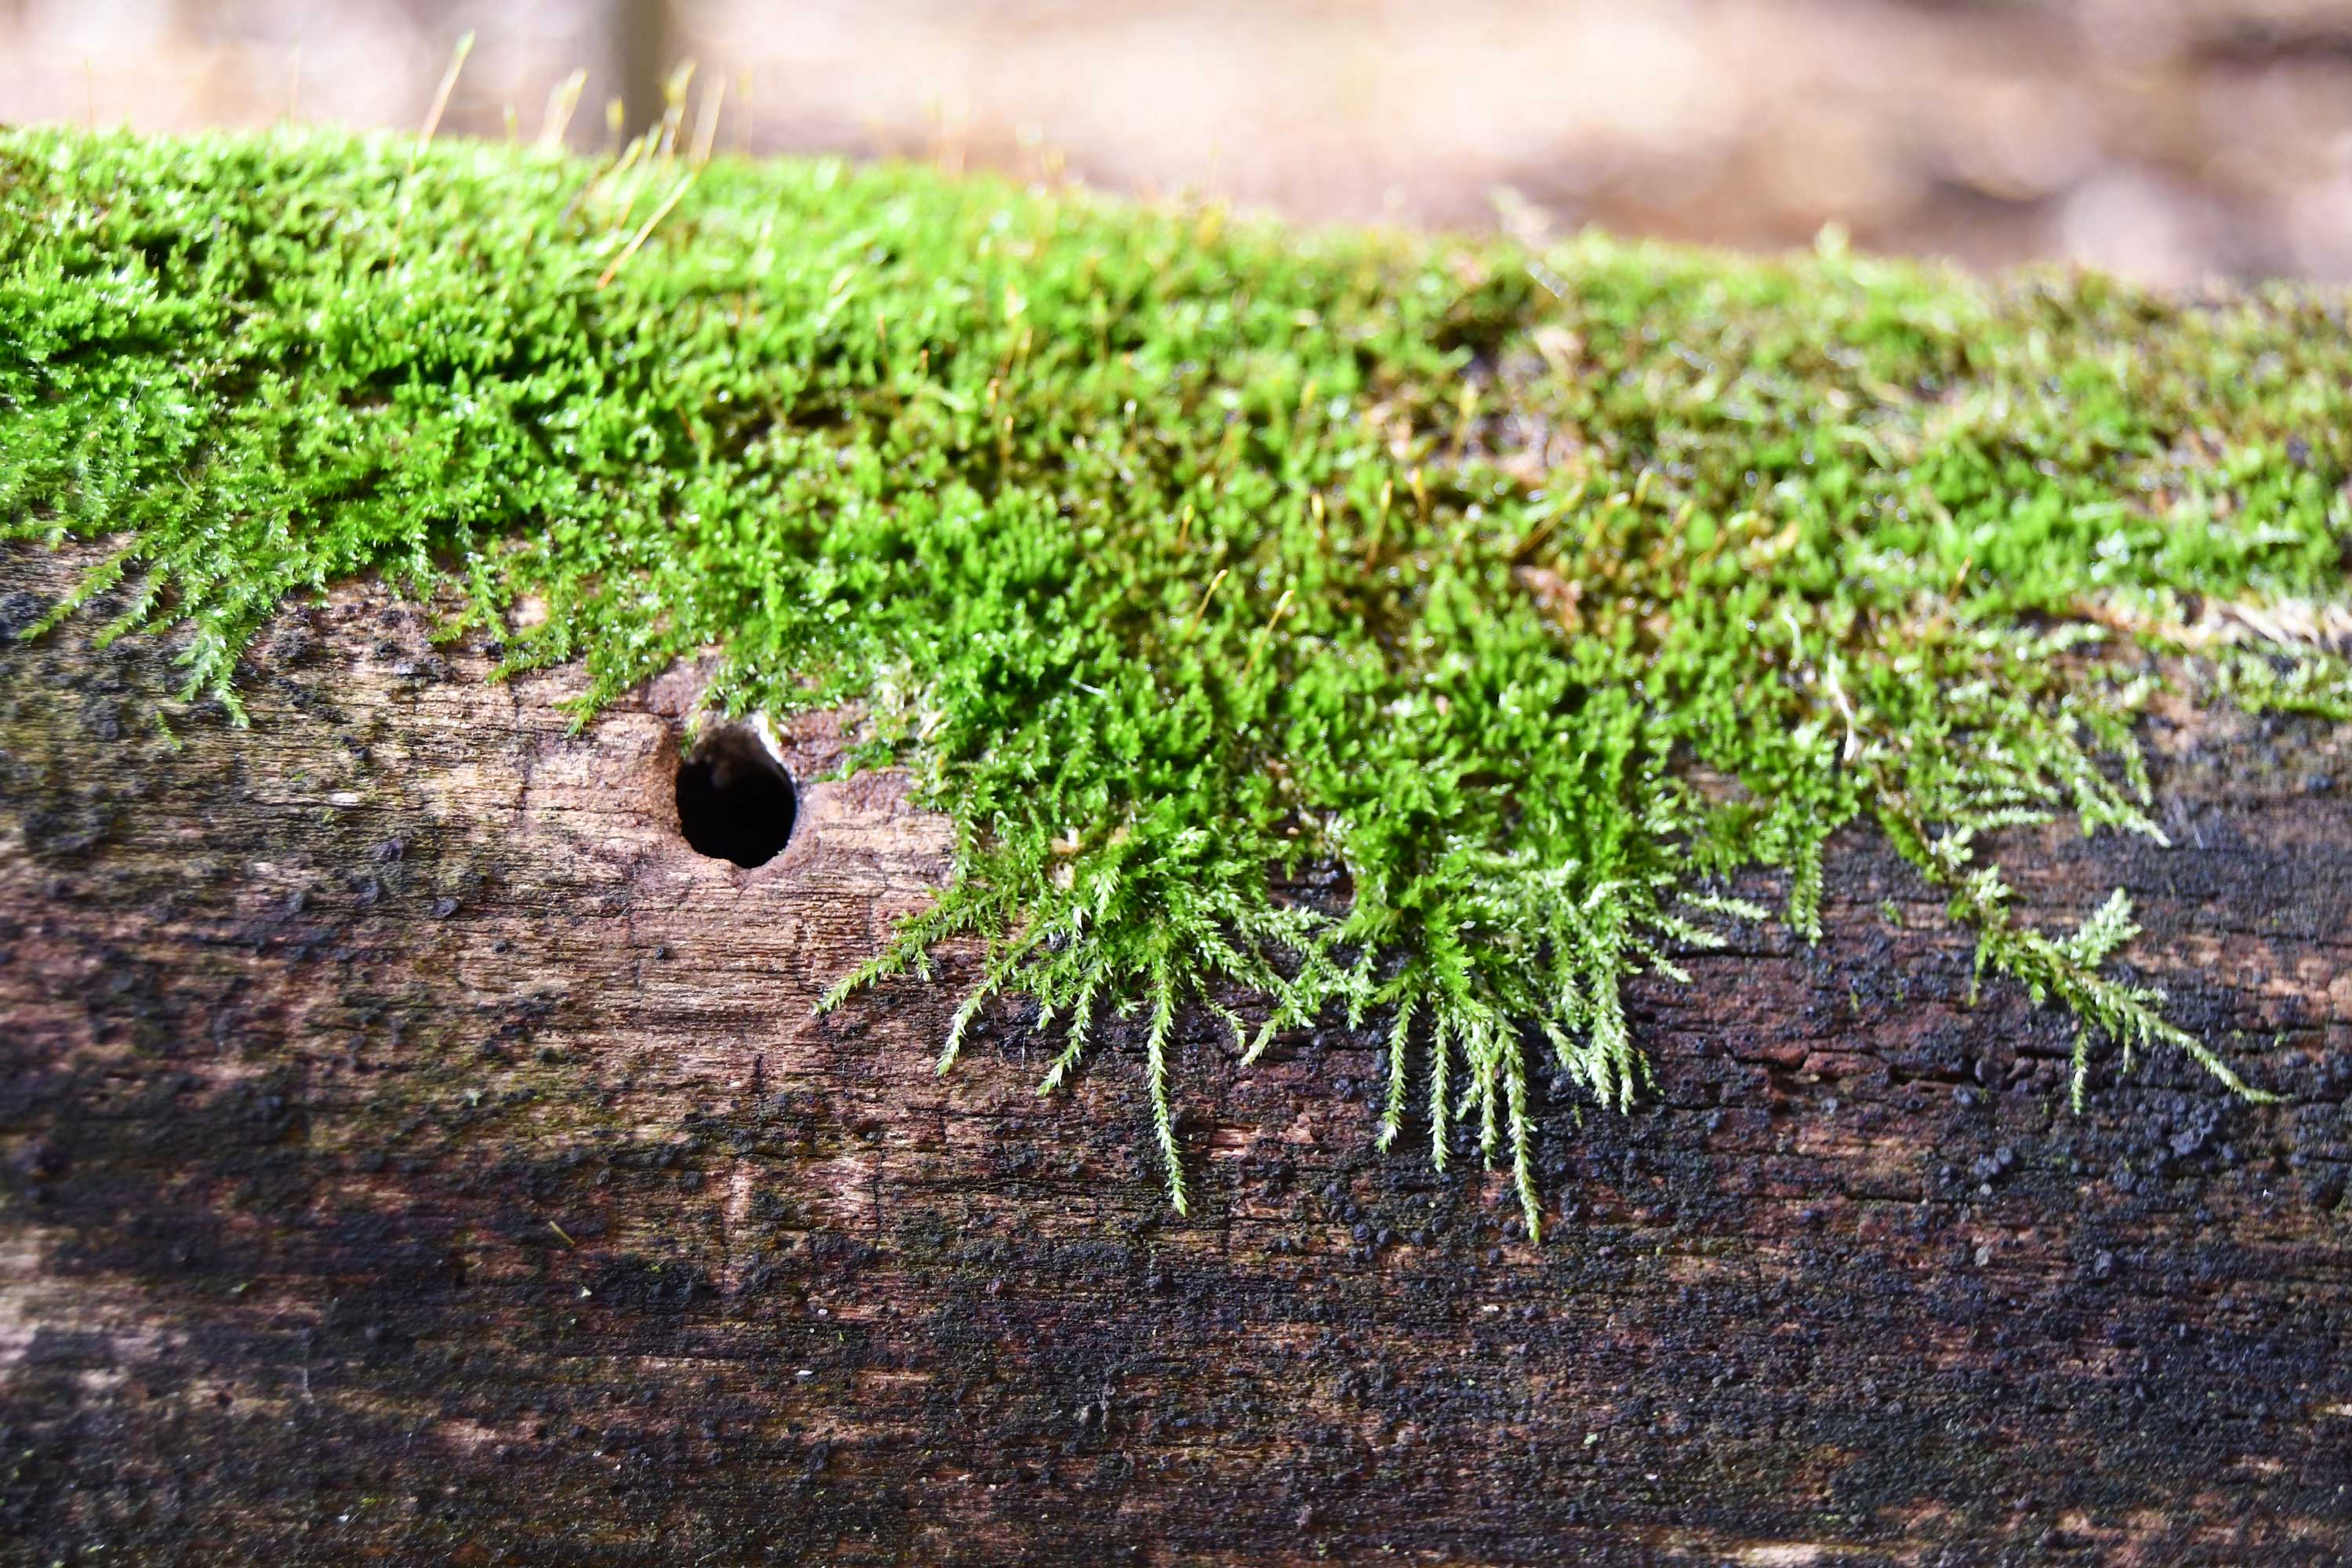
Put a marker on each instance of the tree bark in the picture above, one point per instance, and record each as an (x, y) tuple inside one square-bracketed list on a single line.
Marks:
[(415, 1151)]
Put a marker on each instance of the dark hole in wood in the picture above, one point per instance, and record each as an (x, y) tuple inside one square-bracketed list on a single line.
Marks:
[(735, 802)]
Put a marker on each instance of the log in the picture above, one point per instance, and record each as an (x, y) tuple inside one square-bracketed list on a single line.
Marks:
[(416, 1152)]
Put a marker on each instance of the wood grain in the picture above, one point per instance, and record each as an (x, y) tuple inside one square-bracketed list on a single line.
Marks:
[(416, 1152)]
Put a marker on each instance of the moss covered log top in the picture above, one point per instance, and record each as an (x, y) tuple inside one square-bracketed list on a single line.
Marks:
[(1542, 590)]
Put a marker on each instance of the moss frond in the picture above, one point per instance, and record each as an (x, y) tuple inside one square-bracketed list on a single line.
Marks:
[(1538, 591)]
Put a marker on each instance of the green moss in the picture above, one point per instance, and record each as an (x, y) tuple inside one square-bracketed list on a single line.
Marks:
[(1542, 591)]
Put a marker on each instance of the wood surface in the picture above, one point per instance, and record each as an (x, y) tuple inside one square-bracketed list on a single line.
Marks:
[(413, 1153)]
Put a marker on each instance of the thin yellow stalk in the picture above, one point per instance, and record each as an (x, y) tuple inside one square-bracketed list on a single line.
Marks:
[(1279, 606), (706, 123), (563, 102), (642, 235), (1194, 625), (441, 98)]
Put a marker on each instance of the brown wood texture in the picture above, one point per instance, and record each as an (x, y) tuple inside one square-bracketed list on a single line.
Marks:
[(413, 1153)]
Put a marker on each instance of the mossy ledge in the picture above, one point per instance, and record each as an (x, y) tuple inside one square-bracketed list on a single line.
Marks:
[(1542, 589)]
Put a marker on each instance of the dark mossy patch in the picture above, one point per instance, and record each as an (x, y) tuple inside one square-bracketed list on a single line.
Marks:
[(1541, 592)]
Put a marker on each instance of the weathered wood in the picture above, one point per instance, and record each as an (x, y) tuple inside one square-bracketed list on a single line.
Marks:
[(415, 1151)]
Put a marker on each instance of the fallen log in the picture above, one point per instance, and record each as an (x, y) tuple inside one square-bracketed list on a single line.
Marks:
[(417, 1151), (1359, 670)]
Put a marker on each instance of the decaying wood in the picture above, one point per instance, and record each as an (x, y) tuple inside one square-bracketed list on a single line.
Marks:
[(416, 1152)]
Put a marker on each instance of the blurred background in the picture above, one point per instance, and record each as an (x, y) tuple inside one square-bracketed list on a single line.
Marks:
[(2170, 140)]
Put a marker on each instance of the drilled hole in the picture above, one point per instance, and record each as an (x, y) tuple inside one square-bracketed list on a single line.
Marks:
[(735, 802)]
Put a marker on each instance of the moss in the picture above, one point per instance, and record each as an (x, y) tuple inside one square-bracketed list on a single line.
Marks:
[(1541, 592)]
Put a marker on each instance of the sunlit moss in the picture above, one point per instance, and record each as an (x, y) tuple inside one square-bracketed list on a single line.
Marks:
[(1540, 591)]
